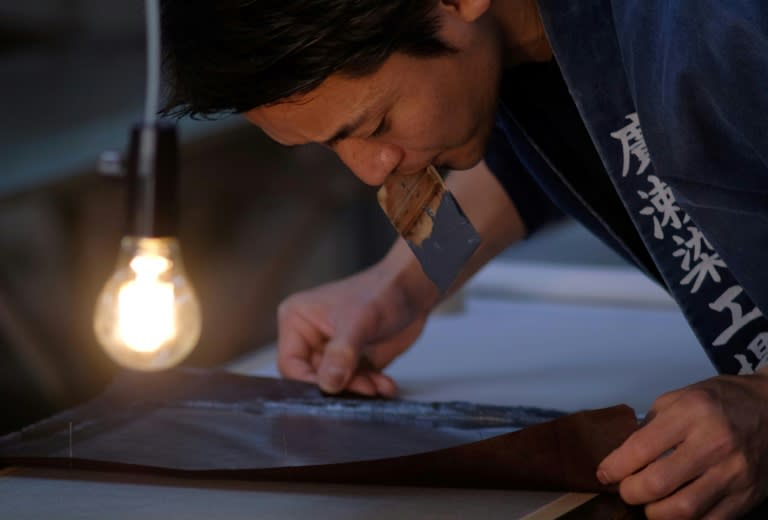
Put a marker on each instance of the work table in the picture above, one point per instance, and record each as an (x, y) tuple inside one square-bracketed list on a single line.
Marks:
[(568, 356)]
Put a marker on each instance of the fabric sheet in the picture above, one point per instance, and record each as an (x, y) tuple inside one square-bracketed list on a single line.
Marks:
[(217, 424)]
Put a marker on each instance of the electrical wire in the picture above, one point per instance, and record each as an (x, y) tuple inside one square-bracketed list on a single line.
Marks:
[(147, 142), (152, 105)]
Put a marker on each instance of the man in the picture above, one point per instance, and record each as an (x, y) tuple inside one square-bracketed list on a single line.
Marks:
[(643, 119)]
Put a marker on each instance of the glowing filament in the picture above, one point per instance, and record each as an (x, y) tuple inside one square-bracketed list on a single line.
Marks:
[(146, 315)]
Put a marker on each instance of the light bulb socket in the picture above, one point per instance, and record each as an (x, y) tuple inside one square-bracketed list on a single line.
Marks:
[(152, 176)]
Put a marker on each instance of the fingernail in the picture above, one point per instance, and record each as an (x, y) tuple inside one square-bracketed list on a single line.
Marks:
[(603, 477), (332, 380)]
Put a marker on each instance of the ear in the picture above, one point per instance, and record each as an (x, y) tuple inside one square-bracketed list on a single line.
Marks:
[(467, 10)]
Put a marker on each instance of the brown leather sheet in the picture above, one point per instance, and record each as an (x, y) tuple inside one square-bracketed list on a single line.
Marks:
[(218, 424)]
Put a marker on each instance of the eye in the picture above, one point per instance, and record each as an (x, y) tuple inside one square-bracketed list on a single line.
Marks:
[(382, 128)]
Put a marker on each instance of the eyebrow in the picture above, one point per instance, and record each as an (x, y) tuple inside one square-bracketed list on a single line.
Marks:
[(347, 130)]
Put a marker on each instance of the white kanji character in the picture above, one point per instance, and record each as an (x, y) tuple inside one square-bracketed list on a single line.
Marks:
[(633, 143), (690, 249), (745, 367), (727, 300), (759, 347), (662, 202), (707, 266)]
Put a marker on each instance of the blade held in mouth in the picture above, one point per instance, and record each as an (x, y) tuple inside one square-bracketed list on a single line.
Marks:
[(428, 217)]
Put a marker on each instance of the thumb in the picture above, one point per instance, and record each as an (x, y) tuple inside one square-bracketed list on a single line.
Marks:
[(342, 355), (337, 366)]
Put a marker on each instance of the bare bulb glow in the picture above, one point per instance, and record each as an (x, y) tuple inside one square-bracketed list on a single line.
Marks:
[(147, 316)]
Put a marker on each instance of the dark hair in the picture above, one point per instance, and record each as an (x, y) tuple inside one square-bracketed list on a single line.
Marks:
[(230, 56)]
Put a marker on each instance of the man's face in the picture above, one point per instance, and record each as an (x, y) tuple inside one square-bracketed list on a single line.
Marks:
[(410, 113)]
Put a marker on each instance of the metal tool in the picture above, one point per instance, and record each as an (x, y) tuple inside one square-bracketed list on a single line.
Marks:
[(428, 217)]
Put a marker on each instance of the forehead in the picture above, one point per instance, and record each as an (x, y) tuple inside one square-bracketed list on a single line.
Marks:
[(341, 99), (317, 115)]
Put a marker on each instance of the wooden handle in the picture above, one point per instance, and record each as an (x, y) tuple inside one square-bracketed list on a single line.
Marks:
[(406, 198)]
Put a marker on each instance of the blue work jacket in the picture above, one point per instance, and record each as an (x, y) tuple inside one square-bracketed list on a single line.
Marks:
[(674, 95)]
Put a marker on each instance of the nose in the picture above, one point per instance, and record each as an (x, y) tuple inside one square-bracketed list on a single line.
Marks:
[(370, 161)]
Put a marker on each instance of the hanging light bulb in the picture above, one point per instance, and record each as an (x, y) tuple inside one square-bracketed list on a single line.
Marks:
[(147, 316)]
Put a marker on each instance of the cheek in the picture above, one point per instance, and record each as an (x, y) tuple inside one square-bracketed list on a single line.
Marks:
[(434, 120), (428, 131)]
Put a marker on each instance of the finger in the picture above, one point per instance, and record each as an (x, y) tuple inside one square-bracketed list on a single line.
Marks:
[(665, 401), (663, 476), (295, 341), (691, 501), (342, 352), (294, 357), (315, 359), (385, 385), (664, 432), (372, 383), (337, 366), (362, 384), (733, 506), (297, 368)]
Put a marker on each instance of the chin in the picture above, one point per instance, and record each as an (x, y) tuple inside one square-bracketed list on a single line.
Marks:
[(465, 161), (460, 166), (473, 151)]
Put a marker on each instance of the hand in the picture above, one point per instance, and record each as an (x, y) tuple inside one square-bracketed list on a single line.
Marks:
[(703, 453), (341, 335)]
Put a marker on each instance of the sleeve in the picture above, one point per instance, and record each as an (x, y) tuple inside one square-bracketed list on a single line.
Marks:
[(532, 203), (699, 71)]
